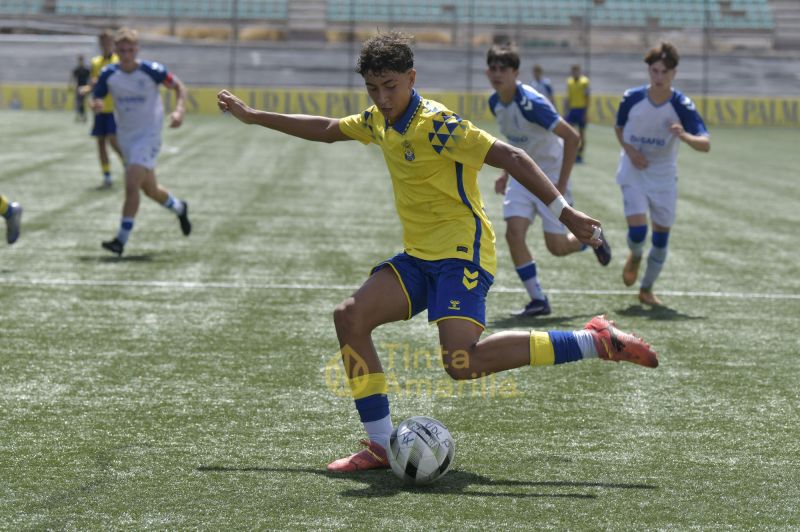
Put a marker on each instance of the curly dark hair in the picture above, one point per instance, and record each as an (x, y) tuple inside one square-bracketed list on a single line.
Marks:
[(386, 52), (665, 52)]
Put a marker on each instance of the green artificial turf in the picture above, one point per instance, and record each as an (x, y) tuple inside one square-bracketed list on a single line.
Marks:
[(194, 383)]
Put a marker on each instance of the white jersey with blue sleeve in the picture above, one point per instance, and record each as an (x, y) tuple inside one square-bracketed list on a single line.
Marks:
[(138, 108), (646, 127), (527, 122)]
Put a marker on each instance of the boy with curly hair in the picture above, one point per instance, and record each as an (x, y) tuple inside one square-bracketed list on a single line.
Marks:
[(448, 262)]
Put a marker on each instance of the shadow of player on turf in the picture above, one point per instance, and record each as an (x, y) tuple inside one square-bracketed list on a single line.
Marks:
[(659, 313), (381, 483)]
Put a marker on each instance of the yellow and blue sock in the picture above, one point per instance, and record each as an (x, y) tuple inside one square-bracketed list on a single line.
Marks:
[(369, 394), (106, 172), (559, 347)]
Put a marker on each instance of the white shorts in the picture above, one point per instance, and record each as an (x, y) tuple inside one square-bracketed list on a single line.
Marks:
[(142, 151), (519, 201), (660, 203)]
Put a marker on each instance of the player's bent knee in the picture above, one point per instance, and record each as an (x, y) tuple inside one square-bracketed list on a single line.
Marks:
[(347, 318), (459, 364), (459, 374), (557, 249)]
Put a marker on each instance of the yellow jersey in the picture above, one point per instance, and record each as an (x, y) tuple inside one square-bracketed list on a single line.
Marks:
[(97, 64), (433, 157), (578, 92)]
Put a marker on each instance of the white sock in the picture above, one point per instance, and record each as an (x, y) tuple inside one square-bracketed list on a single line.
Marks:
[(530, 280), (380, 431), (585, 341), (125, 228), (173, 204)]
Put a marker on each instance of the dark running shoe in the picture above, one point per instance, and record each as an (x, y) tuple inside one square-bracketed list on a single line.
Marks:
[(603, 251), (114, 246), (537, 307), (183, 218), (13, 222)]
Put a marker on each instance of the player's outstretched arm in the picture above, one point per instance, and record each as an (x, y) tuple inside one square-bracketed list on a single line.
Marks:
[(519, 164), (176, 117), (317, 128)]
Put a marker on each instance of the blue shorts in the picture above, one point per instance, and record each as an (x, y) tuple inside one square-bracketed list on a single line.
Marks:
[(448, 288), (577, 117), (104, 125)]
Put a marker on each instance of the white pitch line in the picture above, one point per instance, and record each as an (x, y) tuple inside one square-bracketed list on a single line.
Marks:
[(196, 285)]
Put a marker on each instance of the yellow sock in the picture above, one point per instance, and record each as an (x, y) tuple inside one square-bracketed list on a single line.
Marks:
[(542, 353), (3, 205)]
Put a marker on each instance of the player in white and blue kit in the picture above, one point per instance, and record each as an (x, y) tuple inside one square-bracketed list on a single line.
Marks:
[(651, 122), (139, 111), (542, 84), (530, 122)]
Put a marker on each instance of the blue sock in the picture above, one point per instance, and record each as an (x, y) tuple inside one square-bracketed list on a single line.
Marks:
[(374, 413), (636, 237), (558, 347), (565, 347)]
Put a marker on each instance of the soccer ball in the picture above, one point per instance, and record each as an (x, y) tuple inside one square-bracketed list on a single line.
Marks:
[(421, 450)]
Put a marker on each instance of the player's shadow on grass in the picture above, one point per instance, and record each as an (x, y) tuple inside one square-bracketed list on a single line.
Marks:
[(382, 483), (142, 257), (660, 313)]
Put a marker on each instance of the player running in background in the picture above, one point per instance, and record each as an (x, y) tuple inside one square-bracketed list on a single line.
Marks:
[(134, 86), (530, 122), (12, 212), (104, 128), (79, 78), (578, 100), (433, 157), (542, 84), (652, 121)]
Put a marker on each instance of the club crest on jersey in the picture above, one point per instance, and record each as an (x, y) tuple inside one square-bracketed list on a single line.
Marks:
[(408, 151)]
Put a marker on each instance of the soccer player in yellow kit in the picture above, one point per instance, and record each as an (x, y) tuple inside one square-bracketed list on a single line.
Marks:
[(578, 98), (104, 128), (448, 262)]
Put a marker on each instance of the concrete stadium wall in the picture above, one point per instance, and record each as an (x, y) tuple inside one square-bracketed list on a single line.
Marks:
[(725, 111)]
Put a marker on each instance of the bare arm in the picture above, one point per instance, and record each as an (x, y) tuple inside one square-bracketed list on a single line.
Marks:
[(517, 163), (638, 159), (571, 142), (176, 117), (697, 142), (316, 128)]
